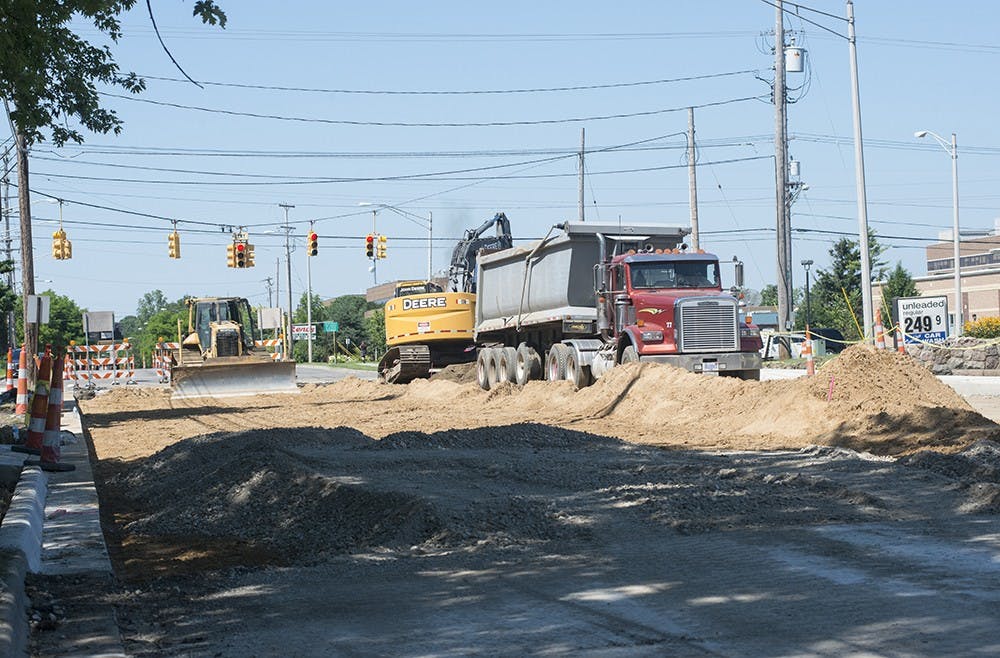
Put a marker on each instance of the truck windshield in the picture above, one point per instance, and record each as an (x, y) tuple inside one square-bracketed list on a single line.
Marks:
[(679, 274)]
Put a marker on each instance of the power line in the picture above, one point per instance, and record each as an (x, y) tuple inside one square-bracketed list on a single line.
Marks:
[(459, 92), (404, 124)]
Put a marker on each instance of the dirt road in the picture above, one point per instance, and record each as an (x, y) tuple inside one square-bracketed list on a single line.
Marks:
[(435, 519)]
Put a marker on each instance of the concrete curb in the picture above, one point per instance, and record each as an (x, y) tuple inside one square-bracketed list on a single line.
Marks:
[(20, 551)]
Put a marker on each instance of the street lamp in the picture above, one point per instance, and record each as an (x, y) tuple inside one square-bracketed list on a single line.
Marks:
[(807, 264), (952, 149)]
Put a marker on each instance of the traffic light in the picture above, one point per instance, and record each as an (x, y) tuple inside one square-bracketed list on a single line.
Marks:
[(313, 247), (241, 255), (370, 246), (231, 254), (174, 242), (249, 262), (381, 246), (62, 249)]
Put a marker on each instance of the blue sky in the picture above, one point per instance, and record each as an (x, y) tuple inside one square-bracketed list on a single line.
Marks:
[(922, 67)]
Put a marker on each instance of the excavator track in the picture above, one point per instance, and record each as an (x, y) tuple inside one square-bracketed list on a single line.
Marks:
[(404, 363)]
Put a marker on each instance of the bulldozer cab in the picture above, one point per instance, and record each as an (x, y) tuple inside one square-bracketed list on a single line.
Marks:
[(229, 316)]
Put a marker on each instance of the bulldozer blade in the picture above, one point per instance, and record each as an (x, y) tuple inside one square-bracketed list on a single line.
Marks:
[(232, 379)]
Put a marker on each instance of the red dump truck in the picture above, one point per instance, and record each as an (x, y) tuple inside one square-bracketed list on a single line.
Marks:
[(588, 297)]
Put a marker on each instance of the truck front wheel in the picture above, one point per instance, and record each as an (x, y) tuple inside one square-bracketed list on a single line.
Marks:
[(630, 355)]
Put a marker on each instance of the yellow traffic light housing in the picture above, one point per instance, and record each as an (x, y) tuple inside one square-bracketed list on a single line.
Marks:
[(241, 254), (249, 255), (312, 248), (381, 253), (174, 243), (62, 248), (370, 246), (231, 255)]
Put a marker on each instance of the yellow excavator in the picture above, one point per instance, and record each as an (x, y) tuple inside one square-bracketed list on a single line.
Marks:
[(427, 328), (218, 356)]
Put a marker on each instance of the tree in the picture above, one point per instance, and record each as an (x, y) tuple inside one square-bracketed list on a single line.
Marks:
[(8, 300), (150, 304), (50, 75), (899, 284), (65, 322), (323, 343), (375, 331), (769, 295), (843, 277)]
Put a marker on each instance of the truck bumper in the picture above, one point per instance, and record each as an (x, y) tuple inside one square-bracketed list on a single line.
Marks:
[(708, 363)]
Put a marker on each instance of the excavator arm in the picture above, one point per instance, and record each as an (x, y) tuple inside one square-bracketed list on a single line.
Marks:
[(463, 259)]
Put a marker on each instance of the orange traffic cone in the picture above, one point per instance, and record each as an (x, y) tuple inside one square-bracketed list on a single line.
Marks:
[(807, 350), (10, 368), (22, 383), (879, 330), (900, 345), (52, 437), (39, 408)]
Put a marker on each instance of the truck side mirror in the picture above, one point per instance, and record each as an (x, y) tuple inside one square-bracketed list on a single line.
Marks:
[(599, 277), (739, 274)]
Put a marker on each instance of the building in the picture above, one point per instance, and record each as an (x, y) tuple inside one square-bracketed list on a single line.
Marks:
[(980, 275)]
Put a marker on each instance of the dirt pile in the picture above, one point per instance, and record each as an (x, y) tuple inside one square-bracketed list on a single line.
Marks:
[(975, 472), (251, 487), (460, 373)]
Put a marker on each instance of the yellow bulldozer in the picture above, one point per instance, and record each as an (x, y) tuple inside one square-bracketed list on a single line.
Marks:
[(428, 328), (218, 355)]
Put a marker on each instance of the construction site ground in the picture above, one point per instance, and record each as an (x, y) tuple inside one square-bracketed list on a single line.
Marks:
[(654, 513)]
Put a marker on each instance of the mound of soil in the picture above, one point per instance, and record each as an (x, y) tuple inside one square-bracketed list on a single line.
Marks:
[(460, 373)]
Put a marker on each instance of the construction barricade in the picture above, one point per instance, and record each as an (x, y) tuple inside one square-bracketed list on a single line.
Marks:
[(164, 359), (89, 364), (273, 347)]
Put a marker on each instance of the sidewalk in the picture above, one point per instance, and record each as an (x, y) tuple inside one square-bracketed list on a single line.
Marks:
[(53, 536)]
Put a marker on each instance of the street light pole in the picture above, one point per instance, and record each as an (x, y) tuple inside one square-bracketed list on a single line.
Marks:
[(288, 262), (952, 149), (807, 264), (309, 301)]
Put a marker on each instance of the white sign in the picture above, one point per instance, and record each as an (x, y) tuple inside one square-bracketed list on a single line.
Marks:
[(269, 318), (38, 309), (303, 331), (923, 319)]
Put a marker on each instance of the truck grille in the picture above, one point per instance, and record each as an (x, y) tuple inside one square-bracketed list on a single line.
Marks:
[(227, 342), (708, 325)]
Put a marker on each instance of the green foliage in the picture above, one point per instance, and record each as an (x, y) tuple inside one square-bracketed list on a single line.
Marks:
[(983, 328), (65, 321), (150, 304), (899, 284), (375, 330), (8, 300), (50, 74), (829, 306), (162, 324), (769, 295)]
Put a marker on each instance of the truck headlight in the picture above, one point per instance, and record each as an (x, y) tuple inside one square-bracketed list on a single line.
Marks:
[(652, 336), (749, 332)]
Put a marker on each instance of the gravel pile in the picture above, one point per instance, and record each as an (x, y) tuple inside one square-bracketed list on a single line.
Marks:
[(975, 471)]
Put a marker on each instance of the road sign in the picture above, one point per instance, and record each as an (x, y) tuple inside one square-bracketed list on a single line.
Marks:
[(331, 327), (923, 319), (302, 331)]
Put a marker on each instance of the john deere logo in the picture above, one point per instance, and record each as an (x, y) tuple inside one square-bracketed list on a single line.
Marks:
[(654, 311)]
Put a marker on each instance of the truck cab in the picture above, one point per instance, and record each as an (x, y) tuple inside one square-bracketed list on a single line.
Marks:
[(669, 306)]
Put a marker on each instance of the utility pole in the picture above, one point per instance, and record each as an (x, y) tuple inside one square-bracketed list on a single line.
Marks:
[(269, 282), (288, 262), (27, 255), (374, 255), (277, 289), (11, 339), (781, 172), (309, 302), (430, 245), (859, 175), (582, 152), (692, 182)]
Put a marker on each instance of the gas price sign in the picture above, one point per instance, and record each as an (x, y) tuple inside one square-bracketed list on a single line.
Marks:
[(923, 318)]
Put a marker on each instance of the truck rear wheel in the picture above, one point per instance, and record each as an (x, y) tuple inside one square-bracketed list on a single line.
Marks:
[(528, 365), (482, 368), (506, 364), (555, 364), (576, 372)]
